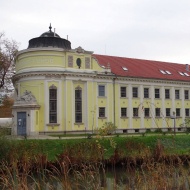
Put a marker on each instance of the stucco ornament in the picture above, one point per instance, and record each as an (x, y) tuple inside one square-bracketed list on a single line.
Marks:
[(79, 50), (27, 97)]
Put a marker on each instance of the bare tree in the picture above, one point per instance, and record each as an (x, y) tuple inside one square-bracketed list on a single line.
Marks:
[(8, 50)]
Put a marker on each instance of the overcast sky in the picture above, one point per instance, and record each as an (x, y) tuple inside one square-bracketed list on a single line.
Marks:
[(145, 29)]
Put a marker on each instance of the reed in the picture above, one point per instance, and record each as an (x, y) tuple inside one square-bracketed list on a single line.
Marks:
[(26, 166)]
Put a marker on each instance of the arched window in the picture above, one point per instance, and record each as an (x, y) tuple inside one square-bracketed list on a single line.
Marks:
[(52, 104), (78, 105)]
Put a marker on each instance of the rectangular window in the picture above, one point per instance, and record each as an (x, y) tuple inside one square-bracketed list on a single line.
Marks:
[(157, 93), (123, 112), (177, 112), (146, 92), (167, 93), (52, 105), (146, 112), (102, 112), (123, 92), (135, 112), (187, 112), (78, 106), (186, 94), (177, 94), (168, 112), (135, 92), (101, 90), (157, 112)]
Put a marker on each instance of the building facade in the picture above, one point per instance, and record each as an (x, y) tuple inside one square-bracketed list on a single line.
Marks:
[(64, 90)]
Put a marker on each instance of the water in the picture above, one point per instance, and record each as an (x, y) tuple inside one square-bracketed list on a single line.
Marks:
[(121, 179)]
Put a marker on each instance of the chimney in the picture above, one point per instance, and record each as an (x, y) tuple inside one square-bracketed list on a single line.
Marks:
[(187, 67)]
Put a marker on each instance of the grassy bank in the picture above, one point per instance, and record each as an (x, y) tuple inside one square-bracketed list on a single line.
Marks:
[(128, 146), (149, 162)]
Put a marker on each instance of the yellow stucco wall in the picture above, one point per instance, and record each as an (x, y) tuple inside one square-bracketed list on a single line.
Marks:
[(37, 89), (66, 85)]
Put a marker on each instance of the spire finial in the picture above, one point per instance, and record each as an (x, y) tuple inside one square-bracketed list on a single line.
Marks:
[(50, 27)]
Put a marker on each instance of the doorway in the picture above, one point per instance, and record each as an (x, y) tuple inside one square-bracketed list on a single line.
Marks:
[(21, 123)]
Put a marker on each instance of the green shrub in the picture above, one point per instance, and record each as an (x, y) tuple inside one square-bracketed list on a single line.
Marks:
[(143, 134), (89, 136), (164, 133), (5, 131), (5, 146), (148, 131), (107, 129), (158, 131)]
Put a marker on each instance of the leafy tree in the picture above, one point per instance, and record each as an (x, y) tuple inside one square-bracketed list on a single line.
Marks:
[(8, 50)]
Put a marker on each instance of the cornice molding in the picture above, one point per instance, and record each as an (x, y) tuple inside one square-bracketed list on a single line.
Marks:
[(60, 75), (53, 49), (40, 49)]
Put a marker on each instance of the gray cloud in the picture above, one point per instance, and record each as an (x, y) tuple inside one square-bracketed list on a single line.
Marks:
[(146, 29)]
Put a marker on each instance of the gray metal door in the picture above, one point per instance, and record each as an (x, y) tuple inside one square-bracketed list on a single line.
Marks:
[(21, 123)]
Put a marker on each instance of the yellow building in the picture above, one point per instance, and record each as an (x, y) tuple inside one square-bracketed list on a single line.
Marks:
[(65, 90)]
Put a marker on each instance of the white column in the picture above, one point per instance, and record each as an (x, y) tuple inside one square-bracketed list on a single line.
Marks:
[(73, 106), (86, 111), (107, 102), (173, 100), (163, 106), (153, 106), (183, 104), (65, 105), (59, 104), (141, 96), (130, 108), (46, 105)]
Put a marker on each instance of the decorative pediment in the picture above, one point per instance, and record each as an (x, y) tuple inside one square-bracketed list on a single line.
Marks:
[(79, 50), (26, 98)]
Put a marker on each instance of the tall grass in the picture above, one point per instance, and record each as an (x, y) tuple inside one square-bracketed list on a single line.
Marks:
[(149, 165)]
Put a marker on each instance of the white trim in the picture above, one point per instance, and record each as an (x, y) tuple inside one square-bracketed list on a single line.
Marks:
[(65, 105), (107, 103), (130, 106), (52, 54), (32, 78), (54, 68), (46, 105), (96, 106), (141, 95), (19, 90), (54, 49), (33, 121), (85, 103), (59, 104), (72, 106)]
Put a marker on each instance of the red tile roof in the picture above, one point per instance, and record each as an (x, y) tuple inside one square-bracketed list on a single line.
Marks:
[(143, 68)]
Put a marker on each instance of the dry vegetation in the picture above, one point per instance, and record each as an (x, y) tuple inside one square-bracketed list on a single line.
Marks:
[(83, 164)]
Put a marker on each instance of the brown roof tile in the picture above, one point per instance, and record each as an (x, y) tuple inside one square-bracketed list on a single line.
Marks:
[(143, 68)]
